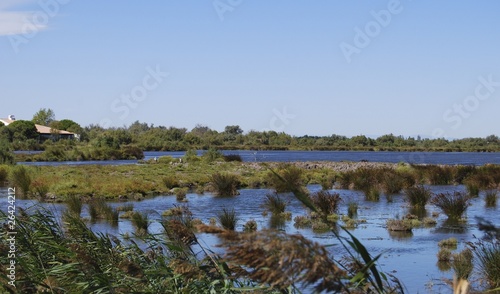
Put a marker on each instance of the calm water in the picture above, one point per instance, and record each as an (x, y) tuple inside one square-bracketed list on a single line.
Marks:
[(466, 158), (411, 258)]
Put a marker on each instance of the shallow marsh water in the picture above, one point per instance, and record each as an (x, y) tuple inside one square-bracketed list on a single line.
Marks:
[(409, 257)]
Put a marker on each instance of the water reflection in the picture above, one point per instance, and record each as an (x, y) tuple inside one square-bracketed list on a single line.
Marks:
[(452, 227), (400, 235)]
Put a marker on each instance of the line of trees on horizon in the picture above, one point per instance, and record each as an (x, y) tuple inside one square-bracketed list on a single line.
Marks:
[(21, 135)]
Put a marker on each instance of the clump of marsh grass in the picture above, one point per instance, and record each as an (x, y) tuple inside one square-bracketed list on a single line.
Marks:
[(228, 219), (325, 202), (449, 243), (250, 226), (418, 196), (125, 207), (439, 175), (490, 198), (429, 221), (74, 204), (180, 226), (453, 204), (352, 208), (302, 221), (99, 209), (444, 254), (399, 225), (487, 253), (224, 184), (40, 188), (287, 178), (140, 222), (372, 194), (170, 182), (180, 194), (462, 264), (274, 204), (261, 254), (20, 178)]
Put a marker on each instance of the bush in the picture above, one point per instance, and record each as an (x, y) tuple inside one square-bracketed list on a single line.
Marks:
[(233, 157), (418, 196), (453, 205), (224, 184), (170, 182), (212, 155)]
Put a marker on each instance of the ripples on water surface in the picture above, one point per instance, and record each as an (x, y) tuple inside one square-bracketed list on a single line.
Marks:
[(410, 257)]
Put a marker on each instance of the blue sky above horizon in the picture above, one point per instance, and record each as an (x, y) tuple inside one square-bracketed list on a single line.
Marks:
[(330, 67)]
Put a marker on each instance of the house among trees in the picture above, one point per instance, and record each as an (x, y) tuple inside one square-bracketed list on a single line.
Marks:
[(44, 132)]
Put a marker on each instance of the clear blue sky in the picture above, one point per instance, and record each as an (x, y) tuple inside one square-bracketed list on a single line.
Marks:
[(420, 67)]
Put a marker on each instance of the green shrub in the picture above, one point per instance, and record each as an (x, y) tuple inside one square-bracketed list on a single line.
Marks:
[(233, 157), (212, 155), (170, 182), (4, 174)]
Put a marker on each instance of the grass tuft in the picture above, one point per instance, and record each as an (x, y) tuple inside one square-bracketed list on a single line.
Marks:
[(228, 219), (453, 205), (224, 184), (418, 196)]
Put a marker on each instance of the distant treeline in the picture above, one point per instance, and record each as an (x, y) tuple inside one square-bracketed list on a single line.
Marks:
[(148, 137)]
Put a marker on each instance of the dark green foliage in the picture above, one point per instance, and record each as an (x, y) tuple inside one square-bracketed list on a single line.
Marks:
[(4, 174), (224, 184), (233, 157), (418, 196), (212, 155), (170, 182), (6, 155), (453, 205), (22, 130)]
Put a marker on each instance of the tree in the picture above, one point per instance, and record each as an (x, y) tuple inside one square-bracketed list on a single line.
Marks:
[(69, 125), (44, 117), (233, 130), (6, 155), (22, 130)]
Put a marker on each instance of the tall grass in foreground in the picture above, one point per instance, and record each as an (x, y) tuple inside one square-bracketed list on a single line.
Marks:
[(490, 198), (287, 178), (453, 204), (72, 259), (418, 196)]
